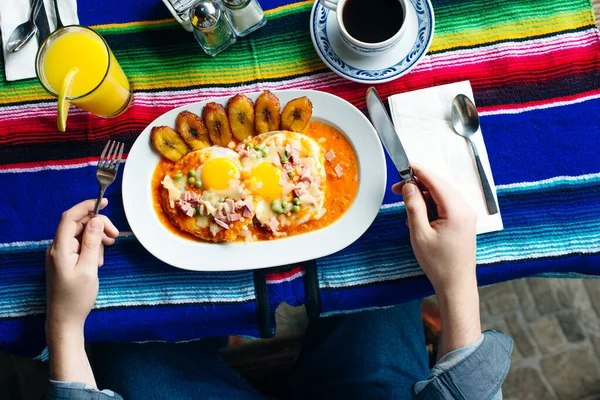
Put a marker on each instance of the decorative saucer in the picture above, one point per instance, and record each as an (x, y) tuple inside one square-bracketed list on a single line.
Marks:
[(390, 65)]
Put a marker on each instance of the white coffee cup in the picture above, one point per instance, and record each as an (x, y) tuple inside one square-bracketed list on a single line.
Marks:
[(364, 48)]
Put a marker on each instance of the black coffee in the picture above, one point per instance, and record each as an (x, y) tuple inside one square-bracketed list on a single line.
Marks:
[(372, 21)]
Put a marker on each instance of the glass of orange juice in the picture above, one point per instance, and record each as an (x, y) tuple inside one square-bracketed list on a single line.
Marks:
[(96, 81)]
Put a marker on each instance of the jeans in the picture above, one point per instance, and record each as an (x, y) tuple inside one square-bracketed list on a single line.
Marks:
[(368, 355)]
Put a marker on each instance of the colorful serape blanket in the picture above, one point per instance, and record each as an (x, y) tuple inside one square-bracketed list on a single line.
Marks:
[(535, 70)]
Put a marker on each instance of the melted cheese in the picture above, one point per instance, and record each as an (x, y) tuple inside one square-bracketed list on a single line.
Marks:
[(174, 193)]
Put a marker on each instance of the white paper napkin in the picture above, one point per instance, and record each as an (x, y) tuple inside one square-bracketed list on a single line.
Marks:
[(21, 65), (423, 123)]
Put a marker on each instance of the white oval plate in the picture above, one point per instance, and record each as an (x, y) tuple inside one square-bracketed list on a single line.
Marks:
[(203, 256), (390, 65)]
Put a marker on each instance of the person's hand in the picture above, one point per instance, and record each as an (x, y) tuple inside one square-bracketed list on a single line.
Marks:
[(72, 262), (445, 248)]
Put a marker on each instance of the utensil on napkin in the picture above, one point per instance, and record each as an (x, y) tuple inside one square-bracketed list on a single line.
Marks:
[(108, 167), (21, 65), (25, 31), (423, 122), (465, 120), (389, 137), (42, 24)]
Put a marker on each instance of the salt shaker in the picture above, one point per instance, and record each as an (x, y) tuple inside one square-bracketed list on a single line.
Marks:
[(211, 28), (245, 16)]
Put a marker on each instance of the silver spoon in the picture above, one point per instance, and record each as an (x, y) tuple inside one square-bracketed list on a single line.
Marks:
[(465, 120), (24, 32)]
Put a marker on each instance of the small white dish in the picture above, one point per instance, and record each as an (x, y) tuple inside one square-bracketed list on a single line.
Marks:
[(391, 64), (203, 256)]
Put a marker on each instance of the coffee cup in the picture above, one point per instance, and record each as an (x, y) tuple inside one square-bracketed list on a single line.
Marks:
[(369, 27)]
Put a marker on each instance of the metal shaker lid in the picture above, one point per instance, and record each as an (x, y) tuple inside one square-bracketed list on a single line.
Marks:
[(235, 4), (204, 14)]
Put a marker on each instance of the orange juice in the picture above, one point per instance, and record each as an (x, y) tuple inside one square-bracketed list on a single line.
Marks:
[(100, 86)]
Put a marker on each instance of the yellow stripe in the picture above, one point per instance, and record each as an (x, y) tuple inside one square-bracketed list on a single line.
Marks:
[(513, 30), (132, 24), (288, 7)]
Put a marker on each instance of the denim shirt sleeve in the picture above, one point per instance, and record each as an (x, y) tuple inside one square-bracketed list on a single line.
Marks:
[(77, 390), (476, 371)]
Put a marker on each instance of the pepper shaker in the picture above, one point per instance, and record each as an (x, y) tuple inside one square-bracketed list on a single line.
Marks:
[(245, 16), (211, 28)]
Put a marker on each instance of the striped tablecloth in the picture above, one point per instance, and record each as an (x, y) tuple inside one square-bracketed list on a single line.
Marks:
[(535, 72)]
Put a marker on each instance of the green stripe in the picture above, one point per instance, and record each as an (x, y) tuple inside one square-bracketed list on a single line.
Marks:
[(473, 15)]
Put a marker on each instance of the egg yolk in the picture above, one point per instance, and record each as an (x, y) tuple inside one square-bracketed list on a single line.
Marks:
[(217, 172), (265, 181)]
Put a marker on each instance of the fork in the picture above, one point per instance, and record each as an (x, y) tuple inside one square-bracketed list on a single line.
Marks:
[(108, 166)]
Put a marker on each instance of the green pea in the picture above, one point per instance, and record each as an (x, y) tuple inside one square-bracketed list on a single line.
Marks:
[(198, 184), (177, 176), (295, 208), (263, 154), (296, 201), (191, 180), (221, 200), (250, 146), (276, 206), (191, 174), (291, 174), (284, 204), (284, 159)]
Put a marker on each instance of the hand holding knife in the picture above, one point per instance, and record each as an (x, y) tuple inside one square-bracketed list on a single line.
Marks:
[(387, 133)]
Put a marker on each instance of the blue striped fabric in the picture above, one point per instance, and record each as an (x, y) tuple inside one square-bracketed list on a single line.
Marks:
[(546, 164)]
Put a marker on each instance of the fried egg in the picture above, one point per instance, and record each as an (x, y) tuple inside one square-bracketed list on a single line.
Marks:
[(203, 195), (285, 174)]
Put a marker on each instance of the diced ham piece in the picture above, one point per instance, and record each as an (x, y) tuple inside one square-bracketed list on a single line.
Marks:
[(330, 155), (201, 209), (287, 167), (220, 215), (246, 212), (338, 170), (273, 224), (233, 217), (231, 204), (186, 208), (221, 224), (306, 178), (249, 205)]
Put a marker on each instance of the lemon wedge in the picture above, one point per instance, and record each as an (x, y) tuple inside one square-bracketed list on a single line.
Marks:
[(63, 95)]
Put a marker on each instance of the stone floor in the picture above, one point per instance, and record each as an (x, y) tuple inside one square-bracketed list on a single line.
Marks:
[(555, 324)]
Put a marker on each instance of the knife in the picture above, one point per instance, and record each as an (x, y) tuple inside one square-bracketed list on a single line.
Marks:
[(41, 21), (387, 133)]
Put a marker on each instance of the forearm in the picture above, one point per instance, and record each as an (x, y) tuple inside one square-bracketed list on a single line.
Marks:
[(68, 359), (459, 311)]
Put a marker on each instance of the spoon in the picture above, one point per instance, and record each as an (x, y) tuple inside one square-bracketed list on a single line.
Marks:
[(465, 120), (59, 23), (24, 32)]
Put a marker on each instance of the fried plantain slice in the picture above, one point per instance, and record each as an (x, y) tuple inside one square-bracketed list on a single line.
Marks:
[(217, 124), (240, 110), (168, 143), (266, 110), (192, 130), (296, 114)]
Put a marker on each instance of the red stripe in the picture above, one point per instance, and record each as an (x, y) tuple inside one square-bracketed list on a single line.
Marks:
[(51, 163), (277, 276), (539, 103)]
